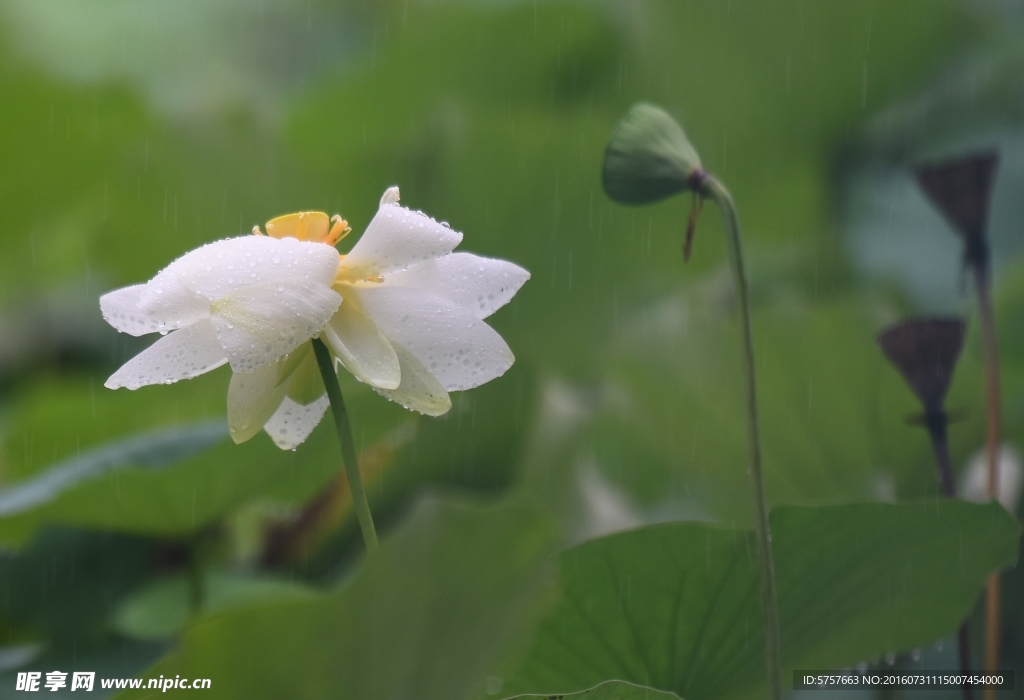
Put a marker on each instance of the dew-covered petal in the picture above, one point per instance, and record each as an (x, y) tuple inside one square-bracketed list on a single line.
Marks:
[(258, 324), (459, 349), (218, 269), (182, 354), (125, 309), (482, 285), (419, 391), (120, 309), (170, 303), (292, 423), (396, 239), (253, 397), (362, 348)]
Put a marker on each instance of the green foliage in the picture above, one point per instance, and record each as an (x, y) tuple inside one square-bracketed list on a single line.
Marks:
[(136, 497), (152, 451), (67, 583), (495, 117), (163, 607), (508, 151), (673, 404), (676, 607), (442, 603)]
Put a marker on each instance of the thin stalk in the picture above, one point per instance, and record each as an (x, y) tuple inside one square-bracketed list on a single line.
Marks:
[(937, 422), (715, 191), (983, 283), (348, 445), (196, 584)]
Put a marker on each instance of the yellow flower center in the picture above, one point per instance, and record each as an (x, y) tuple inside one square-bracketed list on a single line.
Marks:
[(313, 226)]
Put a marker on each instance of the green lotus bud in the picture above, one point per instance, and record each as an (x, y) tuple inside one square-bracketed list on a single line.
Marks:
[(648, 158)]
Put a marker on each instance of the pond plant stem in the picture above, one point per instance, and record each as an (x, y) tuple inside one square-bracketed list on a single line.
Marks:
[(348, 445), (937, 422), (983, 285), (707, 186)]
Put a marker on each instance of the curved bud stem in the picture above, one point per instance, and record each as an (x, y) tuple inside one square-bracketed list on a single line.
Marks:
[(711, 188), (348, 445)]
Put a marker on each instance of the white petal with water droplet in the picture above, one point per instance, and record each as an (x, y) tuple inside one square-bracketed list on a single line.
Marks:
[(419, 391), (362, 348), (258, 324), (459, 349), (183, 354), (120, 309), (166, 299), (219, 269), (126, 309), (482, 285), (397, 238), (292, 423)]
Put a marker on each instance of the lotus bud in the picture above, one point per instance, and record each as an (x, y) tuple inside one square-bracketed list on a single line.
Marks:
[(649, 158)]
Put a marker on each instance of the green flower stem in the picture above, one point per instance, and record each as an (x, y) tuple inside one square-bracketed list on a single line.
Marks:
[(714, 190), (348, 445)]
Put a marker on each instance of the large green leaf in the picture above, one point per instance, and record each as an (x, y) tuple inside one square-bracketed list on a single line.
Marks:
[(64, 587), (153, 450), (109, 460), (676, 606), (430, 616)]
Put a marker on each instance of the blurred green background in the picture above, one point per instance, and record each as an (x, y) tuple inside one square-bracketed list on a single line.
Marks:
[(133, 131)]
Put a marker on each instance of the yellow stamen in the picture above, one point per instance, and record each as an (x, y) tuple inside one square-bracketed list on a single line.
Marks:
[(303, 225), (339, 230), (311, 226)]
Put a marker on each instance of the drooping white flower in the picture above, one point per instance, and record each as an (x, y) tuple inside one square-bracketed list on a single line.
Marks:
[(411, 324), (246, 301)]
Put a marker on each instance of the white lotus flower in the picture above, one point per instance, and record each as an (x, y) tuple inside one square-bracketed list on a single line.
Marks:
[(411, 324), (245, 301)]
